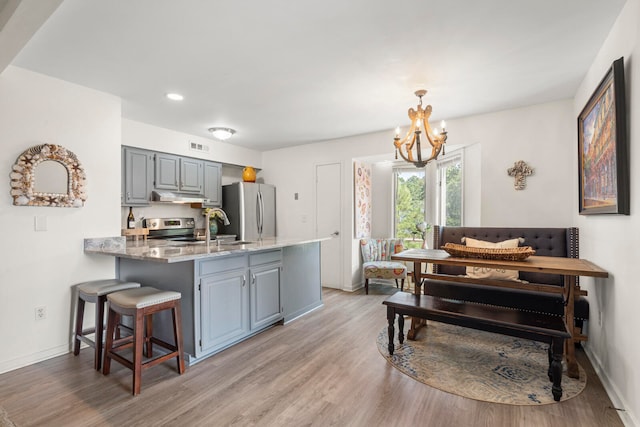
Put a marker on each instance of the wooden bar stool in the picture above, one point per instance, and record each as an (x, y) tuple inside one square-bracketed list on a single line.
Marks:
[(96, 292), (142, 303)]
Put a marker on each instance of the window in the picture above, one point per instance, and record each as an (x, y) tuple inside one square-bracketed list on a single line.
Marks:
[(432, 195), (450, 191), (409, 204)]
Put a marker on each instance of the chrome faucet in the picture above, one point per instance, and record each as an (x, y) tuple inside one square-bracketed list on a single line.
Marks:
[(208, 218)]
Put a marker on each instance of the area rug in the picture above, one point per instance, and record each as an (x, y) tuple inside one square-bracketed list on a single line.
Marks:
[(4, 419), (479, 365)]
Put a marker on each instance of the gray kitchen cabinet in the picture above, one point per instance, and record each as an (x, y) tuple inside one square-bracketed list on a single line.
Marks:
[(266, 302), (137, 176), (176, 173), (167, 172), (213, 184), (229, 298), (191, 175), (224, 309)]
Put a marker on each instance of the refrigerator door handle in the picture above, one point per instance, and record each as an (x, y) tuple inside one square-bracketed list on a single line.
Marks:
[(260, 213)]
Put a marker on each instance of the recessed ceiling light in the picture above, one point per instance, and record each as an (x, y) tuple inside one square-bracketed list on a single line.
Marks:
[(222, 133), (175, 96)]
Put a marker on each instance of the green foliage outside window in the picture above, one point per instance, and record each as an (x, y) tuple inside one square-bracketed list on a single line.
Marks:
[(453, 191), (410, 206)]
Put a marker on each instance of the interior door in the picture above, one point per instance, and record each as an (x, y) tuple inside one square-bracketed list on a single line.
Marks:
[(328, 214)]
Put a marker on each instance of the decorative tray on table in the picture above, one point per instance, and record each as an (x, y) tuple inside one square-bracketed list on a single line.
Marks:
[(505, 254)]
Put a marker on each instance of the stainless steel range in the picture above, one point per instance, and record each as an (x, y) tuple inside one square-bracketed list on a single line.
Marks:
[(178, 230)]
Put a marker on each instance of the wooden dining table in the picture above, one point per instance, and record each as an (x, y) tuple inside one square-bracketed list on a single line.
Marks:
[(569, 268)]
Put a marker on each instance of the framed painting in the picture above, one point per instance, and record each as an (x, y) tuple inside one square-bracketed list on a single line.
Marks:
[(603, 162)]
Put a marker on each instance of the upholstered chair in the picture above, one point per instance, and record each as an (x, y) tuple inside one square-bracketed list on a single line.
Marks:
[(377, 264)]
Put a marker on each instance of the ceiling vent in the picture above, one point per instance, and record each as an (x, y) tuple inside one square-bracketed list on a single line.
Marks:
[(196, 146)]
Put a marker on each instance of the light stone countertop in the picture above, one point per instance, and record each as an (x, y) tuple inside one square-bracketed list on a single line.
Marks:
[(165, 251)]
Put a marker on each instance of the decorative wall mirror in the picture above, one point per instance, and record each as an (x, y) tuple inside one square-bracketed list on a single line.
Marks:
[(48, 175)]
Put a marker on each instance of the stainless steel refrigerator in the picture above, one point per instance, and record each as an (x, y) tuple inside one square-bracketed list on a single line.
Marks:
[(251, 209)]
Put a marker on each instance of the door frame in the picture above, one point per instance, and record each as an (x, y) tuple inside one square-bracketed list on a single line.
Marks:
[(341, 204)]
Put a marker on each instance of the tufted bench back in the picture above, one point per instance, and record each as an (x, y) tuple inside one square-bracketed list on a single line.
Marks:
[(561, 242)]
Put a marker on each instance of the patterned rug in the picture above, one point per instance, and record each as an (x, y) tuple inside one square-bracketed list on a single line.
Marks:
[(4, 419), (479, 365)]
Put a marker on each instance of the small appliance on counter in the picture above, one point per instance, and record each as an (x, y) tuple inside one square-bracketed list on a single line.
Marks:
[(178, 230)]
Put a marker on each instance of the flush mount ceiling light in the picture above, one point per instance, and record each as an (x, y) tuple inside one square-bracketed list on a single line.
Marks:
[(175, 96), (411, 141), (222, 133)]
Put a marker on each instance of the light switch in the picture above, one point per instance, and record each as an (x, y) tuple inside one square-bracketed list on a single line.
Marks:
[(295, 196), (40, 223)]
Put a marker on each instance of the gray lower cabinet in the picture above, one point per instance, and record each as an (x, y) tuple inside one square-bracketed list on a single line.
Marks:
[(224, 309), (239, 296), (228, 298), (265, 295), (137, 176)]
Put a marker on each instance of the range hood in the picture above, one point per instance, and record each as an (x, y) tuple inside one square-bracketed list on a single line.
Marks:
[(170, 197)]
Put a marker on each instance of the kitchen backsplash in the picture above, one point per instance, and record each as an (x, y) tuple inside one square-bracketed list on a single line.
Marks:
[(160, 210)]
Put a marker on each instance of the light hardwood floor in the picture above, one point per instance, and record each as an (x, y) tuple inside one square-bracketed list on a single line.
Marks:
[(322, 369)]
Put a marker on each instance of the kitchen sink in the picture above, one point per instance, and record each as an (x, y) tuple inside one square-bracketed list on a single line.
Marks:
[(236, 242)]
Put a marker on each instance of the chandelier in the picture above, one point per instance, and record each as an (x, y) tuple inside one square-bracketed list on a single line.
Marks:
[(409, 146)]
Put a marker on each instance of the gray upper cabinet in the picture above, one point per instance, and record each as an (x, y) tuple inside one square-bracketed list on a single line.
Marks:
[(137, 179), (176, 173), (213, 184), (191, 175), (145, 170), (167, 172)]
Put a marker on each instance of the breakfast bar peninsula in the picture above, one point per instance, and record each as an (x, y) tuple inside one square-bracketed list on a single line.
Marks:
[(230, 291)]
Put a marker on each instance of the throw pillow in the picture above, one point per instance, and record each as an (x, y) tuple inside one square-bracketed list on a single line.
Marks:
[(492, 273)]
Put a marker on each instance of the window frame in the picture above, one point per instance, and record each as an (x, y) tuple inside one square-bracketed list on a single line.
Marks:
[(439, 190)]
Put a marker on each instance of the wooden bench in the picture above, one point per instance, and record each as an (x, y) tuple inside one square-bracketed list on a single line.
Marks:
[(534, 326)]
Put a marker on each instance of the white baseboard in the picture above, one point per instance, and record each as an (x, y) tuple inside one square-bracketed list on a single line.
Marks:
[(20, 362), (626, 415)]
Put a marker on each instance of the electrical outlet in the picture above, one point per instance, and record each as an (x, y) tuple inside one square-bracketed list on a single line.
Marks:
[(41, 313)]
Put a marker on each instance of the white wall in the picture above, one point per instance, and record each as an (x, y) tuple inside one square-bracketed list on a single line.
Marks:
[(39, 268), (382, 199), (542, 135), (142, 135), (611, 241)]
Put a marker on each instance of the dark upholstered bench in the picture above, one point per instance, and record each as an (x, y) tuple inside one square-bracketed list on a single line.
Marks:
[(534, 326), (560, 242)]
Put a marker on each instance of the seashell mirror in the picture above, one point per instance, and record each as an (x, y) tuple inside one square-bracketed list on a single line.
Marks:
[(48, 175)]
